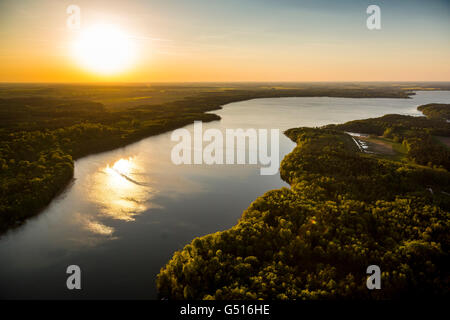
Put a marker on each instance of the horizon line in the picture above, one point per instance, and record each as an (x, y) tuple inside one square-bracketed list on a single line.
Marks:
[(220, 82)]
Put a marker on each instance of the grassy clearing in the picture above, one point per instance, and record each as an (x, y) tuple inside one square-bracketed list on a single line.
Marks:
[(385, 148)]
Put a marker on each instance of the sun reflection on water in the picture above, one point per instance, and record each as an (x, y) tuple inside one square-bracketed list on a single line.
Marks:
[(94, 226), (122, 166), (118, 192)]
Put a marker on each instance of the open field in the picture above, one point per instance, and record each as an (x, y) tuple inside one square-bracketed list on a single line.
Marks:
[(119, 96), (384, 147)]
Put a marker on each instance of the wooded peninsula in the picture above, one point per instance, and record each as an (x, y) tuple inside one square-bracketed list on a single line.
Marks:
[(345, 210)]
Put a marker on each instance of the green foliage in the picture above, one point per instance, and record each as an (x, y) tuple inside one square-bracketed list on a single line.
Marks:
[(344, 211)]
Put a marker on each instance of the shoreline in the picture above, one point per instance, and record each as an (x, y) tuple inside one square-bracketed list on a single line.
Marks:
[(206, 111)]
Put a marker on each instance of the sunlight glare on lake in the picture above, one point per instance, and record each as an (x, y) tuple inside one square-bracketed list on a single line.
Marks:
[(118, 192), (93, 226), (122, 166)]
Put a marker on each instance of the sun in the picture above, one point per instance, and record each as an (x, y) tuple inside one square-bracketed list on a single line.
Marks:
[(104, 49)]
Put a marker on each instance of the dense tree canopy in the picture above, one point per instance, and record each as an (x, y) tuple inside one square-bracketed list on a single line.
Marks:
[(436, 111)]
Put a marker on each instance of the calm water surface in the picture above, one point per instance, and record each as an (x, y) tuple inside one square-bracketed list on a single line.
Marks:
[(129, 209)]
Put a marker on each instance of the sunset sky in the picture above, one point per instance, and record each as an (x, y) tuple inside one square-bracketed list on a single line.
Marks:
[(232, 40)]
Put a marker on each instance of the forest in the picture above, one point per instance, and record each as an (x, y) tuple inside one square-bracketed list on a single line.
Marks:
[(436, 111), (344, 210), (45, 127)]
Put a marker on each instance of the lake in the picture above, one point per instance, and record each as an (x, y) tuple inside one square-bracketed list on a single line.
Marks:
[(129, 209)]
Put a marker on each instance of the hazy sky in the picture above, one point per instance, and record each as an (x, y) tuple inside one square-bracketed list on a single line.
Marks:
[(233, 40)]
